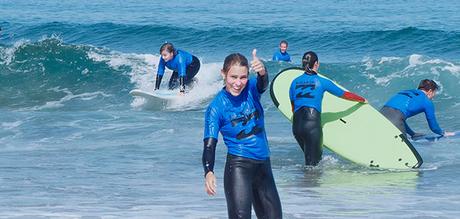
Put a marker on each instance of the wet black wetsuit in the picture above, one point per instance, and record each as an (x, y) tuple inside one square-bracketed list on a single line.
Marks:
[(184, 65), (191, 71), (248, 178), (307, 130), (248, 181), (408, 103), (306, 94)]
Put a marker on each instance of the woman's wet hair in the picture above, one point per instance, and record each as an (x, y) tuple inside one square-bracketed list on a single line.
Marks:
[(427, 85), (235, 59), (308, 61), (168, 47)]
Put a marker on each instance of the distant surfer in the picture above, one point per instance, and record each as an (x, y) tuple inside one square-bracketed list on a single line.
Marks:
[(408, 103), (184, 65), (306, 94), (282, 54), (236, 112)]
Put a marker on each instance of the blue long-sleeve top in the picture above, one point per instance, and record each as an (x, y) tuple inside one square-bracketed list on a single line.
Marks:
[(413, 102), (240, 120), (279, 56), (308, 90), (178, 63)]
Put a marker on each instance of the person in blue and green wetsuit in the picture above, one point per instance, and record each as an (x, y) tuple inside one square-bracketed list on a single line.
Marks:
[(306, 94), (408, 103), (184, 65), (282, 54), (236, 112)]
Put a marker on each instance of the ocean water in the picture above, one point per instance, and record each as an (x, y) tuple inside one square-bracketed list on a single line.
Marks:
[(75, 144)]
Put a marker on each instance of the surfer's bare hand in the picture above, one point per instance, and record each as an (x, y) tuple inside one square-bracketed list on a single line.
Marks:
[(210, 183)]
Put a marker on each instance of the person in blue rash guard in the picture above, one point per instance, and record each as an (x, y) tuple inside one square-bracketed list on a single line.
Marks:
[(184, 65), (408, 103), (236, 112), (306, 94), (282, 54)]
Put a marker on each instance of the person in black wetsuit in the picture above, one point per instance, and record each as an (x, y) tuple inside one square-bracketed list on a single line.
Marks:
[(184, 65), (306, 94), (408, 103), (236, 112)]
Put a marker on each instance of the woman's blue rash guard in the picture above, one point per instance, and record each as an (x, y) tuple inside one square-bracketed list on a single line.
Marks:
[(308, 90), (179, 63), (240, 119), (413, 102), (279, 56)]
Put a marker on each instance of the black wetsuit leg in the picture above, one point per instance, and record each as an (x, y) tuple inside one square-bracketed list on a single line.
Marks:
[(266, 199), (307, 130), (396, 117), (174, 81), (247, 182), (192, 70)]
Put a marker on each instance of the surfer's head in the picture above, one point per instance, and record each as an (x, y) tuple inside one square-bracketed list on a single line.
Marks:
[(429, 87), (235, 73), (310, 62), (167, 51), (283, 46)]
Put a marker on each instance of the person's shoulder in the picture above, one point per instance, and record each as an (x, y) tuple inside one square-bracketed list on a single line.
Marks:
[(252, 83), (325, 81), (218, 99), (183, 52), (321, 77), (300, 77)]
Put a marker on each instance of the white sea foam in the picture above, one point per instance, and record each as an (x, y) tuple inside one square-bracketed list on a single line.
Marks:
[(143, 72), (69, 96), (417, 65), (7, 54), (11, 125), (389, 59), (209, 82)]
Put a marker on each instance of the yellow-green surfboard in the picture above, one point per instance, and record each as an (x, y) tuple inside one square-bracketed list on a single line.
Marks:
[(355, 131)]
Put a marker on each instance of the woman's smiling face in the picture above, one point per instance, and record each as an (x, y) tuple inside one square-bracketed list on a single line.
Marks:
[(236, 79)]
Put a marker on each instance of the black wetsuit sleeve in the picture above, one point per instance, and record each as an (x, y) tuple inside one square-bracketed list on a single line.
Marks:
[(408, 129), (182, 84), (209, 154), (262, 82), (158, 81)]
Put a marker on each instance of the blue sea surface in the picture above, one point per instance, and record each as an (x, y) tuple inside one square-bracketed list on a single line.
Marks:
[(75, 144)]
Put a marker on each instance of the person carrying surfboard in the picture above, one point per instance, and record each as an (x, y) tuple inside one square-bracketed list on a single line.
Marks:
[(306, 95), (236, 112), (408, 103), (184, 65)]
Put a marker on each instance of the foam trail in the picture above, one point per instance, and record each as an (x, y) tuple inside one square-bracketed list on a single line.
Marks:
[(208, 83)]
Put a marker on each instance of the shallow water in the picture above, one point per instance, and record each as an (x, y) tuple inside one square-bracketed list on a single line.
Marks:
[(75, 144)]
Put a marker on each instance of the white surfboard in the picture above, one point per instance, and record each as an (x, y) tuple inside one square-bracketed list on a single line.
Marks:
[(157, 94)]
